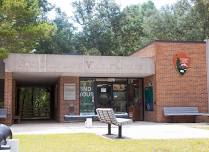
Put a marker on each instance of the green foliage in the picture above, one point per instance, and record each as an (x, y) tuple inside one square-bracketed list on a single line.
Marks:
[(20, 26), (132, 34), (200, 12), (183, 21), (99, 22), (103, 28), (62, 41), (3, 53), (34, 102)]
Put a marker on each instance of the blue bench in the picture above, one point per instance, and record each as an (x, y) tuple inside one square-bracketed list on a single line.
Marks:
[(3, 113), (182, 111)]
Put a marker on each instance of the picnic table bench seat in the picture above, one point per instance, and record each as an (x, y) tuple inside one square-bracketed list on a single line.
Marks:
[(106, 115)]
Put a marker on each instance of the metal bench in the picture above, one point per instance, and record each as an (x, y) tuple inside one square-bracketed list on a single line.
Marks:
[(106, 115), (182, 111), (3, 113)]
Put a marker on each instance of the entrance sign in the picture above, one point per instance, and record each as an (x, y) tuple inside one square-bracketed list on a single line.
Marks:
[(181, 62), (69, 91)]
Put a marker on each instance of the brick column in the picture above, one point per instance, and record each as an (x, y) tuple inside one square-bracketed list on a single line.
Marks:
[(8, 97), (68, 106)]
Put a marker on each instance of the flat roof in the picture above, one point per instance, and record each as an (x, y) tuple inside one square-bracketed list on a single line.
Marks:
[(167, 41), (43, 67)]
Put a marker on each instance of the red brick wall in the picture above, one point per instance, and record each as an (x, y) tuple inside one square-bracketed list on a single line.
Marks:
[(68, 107), (148, 51), (8, 97), (171, 88), (174, 89)]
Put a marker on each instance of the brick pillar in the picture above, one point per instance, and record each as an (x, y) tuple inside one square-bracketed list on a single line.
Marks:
[(68, 106), (8, 96)]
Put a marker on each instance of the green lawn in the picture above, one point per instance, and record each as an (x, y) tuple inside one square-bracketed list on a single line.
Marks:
[(94, 143)]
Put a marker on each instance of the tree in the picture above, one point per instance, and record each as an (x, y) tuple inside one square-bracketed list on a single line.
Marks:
[(20, 27), (185, 20), (63, 39), (132, 31), (200, 12), (45, 7), (99, 22)]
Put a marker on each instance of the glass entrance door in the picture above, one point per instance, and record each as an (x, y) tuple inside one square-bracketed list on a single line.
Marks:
[(119, 102), (104, 95), (112, 94)]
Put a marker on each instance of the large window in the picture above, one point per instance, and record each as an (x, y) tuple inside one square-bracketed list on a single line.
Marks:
[(1, 93), (87, 104), (119, 97), (116, 93)]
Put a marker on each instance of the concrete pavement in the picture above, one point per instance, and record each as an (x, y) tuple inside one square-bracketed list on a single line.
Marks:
[(135, 130)]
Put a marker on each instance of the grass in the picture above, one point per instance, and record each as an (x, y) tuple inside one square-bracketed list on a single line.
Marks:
[(94, 143)]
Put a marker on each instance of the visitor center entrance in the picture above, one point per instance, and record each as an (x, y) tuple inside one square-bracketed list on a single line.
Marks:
[(117, 93)]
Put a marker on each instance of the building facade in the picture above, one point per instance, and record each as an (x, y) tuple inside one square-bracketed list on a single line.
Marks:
[(164, 73)]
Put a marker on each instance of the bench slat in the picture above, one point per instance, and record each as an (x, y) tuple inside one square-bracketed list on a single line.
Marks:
[(181, 111)]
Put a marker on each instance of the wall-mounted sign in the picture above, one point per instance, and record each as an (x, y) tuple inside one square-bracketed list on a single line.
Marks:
[(69, 91), (181, 62), (119, 87), (103, 90)]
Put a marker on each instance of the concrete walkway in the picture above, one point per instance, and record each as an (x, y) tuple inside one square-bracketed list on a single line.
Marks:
[(135, 130)]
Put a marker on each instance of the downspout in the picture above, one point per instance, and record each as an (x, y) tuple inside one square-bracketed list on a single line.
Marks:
[(207, 66)]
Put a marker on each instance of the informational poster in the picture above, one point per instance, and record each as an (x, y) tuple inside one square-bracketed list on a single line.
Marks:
[(87, 97), (69, 91), (149, 98)]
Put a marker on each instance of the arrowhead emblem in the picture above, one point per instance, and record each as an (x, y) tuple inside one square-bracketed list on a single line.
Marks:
[(181, 62)]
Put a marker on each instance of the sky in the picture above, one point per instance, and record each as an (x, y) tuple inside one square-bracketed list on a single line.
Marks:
[(66, 7)]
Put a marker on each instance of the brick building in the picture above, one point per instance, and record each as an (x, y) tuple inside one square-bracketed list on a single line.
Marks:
[(164, 73)]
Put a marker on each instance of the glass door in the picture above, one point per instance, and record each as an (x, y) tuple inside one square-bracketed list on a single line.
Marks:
[(104, 95), (119, 97)]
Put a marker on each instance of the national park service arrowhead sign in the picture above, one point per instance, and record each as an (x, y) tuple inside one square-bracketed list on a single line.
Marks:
[(181, 62)]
